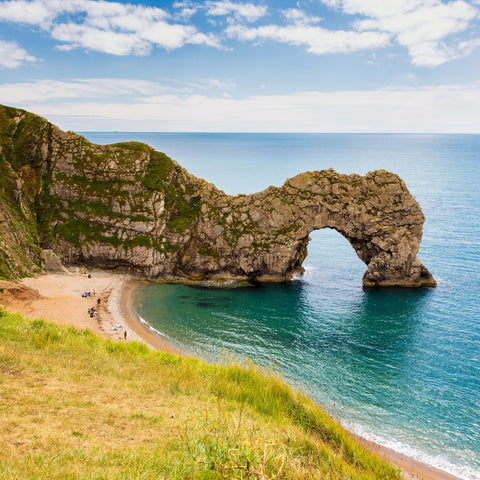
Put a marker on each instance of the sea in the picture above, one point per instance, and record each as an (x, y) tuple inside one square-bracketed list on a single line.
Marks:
[(397, 366)]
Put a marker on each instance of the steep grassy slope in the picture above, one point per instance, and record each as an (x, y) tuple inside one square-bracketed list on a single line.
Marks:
[(74, 406), (20, 179)]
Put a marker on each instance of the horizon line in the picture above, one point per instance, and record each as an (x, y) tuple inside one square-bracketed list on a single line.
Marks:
[(277, 133)]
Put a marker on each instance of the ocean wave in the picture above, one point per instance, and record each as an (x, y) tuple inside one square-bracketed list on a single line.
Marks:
[(465, 472), (153, 329)]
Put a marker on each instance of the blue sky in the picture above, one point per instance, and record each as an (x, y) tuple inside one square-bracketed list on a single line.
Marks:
[(281, 66)]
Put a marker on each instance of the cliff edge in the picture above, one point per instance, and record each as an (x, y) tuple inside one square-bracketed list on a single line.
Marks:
[(128, 206)]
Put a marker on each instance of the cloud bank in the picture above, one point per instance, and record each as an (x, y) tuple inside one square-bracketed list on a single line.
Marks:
[(431, 31), (109, 27), (132, 105)]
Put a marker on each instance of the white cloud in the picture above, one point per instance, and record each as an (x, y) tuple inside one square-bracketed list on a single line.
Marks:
[(138, 106), (376, 8), (42, 90), (32, 13), (422, 26), (103, 88), (433, 31), (215, 83), (175, 36), (467, 47), (12, 56), (299, 16), (91, 38), (317, 40), (411, 77), (185, 9), (248, 11), (106, 26)]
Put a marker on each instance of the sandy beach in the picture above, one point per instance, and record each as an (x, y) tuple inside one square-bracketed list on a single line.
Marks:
[(59, 297), (65, 298)]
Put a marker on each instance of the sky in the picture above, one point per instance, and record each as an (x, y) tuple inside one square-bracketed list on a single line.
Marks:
[(231, 66)]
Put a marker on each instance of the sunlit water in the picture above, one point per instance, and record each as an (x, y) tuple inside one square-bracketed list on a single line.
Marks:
[(400, 366)]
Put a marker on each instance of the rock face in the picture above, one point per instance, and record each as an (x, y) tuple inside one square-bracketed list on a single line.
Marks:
[(129, 206)]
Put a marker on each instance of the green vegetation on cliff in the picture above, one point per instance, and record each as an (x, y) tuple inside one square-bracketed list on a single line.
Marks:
[(57, 187), (78, 407), (21, 134), (19, 242)]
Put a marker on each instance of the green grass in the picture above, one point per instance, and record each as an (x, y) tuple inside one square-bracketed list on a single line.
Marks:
[(158, 171), (74, 406), (133, 146)]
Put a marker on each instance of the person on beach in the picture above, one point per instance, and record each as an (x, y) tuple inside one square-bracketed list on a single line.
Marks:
[(125, 334)]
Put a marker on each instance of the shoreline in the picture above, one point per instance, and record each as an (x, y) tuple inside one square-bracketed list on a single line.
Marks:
[(148, 336), (57, 297), (412, 469)]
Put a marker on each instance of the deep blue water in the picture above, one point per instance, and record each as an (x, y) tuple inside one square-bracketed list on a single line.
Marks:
[(400, 366)]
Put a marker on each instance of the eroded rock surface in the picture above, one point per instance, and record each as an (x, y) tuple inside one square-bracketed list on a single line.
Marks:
[(129, 206)]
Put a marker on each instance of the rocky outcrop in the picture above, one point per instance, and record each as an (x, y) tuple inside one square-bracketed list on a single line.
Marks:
[(265, 235), (128, 206)]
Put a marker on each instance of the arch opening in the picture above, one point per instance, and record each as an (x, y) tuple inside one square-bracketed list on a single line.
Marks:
[(331, 259)]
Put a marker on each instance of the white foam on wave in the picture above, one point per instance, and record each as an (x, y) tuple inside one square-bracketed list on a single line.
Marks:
[(296, 277), (464, 472), (153, 329), (309, 273), (225, 283)]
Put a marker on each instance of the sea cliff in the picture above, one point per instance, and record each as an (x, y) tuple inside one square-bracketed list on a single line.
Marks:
[(127, 206)]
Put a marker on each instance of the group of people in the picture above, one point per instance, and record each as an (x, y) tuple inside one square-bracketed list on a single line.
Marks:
[(92, 311)]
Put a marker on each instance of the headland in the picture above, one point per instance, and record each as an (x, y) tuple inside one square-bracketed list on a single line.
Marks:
[(131, 208)]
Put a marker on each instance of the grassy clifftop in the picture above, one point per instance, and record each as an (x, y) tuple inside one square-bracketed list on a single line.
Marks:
[(76, 406)]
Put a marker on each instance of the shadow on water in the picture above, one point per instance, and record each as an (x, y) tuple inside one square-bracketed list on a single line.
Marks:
[(286, 316), (325, 313), (387, 319), (365, 349)]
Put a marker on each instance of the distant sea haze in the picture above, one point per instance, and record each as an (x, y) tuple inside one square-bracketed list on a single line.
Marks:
[(398, 366)]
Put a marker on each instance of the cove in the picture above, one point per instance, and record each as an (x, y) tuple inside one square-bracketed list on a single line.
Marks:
[(423, 401)]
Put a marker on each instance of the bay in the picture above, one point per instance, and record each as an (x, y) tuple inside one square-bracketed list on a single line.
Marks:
[(399, 366)]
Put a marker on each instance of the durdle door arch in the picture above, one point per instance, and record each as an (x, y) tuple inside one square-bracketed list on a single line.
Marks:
[(265, 235)]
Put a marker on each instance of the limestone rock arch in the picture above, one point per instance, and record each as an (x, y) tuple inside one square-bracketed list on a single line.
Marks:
[(264, 236)]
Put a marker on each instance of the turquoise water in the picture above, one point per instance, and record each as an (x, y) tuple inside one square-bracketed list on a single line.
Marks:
[(399, 366)]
